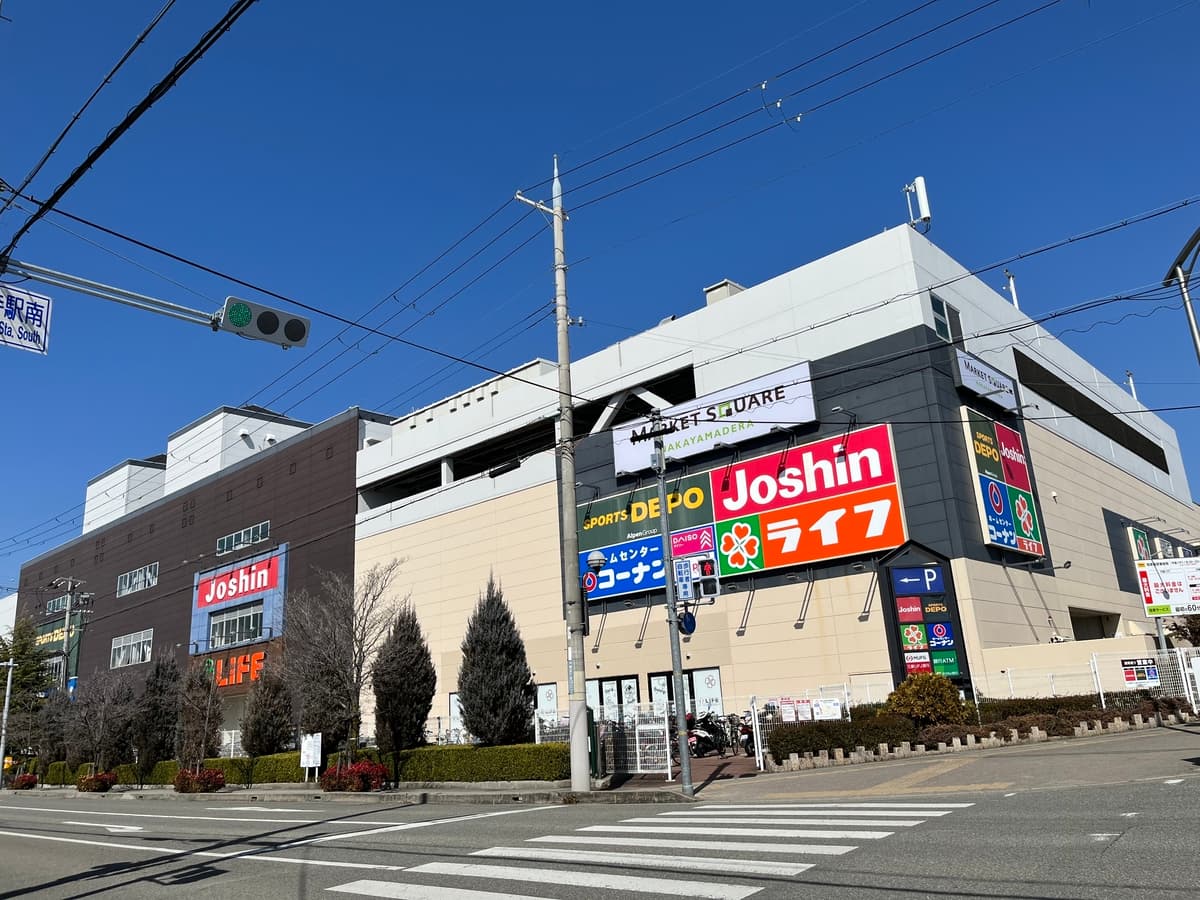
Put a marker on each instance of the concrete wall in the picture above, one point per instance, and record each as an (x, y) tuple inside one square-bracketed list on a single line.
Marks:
[(121, 490)]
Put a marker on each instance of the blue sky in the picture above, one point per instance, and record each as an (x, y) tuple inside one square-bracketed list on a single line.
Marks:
[(330, 151)]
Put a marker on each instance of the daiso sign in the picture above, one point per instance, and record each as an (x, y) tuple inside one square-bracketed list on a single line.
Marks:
[(242, 582)]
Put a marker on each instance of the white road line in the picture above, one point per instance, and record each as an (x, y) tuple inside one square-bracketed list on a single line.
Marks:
[(1173, 781), (1103, 836), (692, 864), (1128, 815), (251, 855), (404, 826), (670, 886), (184, 818), (846, 813), (368, 888), (721, 820), (110, 828), (255, 809), (663, 828), (839, 805), (739, 846)]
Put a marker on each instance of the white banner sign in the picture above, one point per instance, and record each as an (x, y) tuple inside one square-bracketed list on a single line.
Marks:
[(1170, 587), (24, 320), (980, 378), (310, 751), (729, 416)]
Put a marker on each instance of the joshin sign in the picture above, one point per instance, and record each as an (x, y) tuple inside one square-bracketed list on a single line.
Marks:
[(1007, 508)]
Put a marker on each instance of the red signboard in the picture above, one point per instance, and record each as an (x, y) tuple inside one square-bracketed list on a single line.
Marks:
[(242, 582), (909, 609), (822, 469), (1012, 457), (916, 663)]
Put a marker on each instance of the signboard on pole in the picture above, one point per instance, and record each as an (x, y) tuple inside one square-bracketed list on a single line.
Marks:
[(1140, 672), (1007, 505), (310, 751), (1171, 586), (24, 320)]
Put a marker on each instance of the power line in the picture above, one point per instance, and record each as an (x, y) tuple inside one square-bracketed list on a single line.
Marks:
[(33, 172), (156, 93)]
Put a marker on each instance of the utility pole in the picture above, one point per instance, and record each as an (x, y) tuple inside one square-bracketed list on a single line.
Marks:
[(11, 664), (70, 584), (659, 461), (1181, 271), (1012, 288), (572, 595)]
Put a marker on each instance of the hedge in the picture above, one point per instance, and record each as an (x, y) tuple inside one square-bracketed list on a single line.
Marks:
[(817, 736), (518, 762), (274, 769), (58, 775), (996, 710)]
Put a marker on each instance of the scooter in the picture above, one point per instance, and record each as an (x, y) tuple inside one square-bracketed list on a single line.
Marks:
[(746, 735), (709, 735)]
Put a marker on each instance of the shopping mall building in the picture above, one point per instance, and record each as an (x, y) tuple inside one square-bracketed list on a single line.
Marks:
[(888, 467)]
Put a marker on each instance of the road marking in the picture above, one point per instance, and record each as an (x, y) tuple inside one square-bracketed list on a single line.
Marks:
[(1128, 815), (1103, 836), (722, 820), (111, 828), (873, 807), (596, 880), (252, 855), (368, 888), (407, 825), (811, 811), (692, 864), (741, 846), (1013, 794), (748, 832), (1173, 781), (254, 809), (186, 818)]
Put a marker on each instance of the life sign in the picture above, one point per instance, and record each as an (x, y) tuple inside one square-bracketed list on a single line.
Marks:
[(922, 580)]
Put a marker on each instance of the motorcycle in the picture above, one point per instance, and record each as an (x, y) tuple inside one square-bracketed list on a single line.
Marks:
[(705, 734), (746, 735)]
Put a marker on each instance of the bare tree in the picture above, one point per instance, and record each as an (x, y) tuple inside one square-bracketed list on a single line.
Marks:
[(332, 635), (102, 718), (200, 711)]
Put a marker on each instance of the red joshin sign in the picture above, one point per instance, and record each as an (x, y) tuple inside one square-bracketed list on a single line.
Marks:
[(256, 577)]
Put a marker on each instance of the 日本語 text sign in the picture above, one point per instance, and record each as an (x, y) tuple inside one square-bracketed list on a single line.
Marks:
[(630, 567), (1007, 507), (24, 320), (1170, 587), (636, 514)]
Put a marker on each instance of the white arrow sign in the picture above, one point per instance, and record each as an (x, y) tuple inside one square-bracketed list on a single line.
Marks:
[(111, 828)]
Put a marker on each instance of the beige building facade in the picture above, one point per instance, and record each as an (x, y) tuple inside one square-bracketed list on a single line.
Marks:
[(901, 369)]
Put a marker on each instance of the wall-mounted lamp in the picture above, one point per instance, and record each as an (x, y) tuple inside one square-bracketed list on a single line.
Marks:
[(852, 420)]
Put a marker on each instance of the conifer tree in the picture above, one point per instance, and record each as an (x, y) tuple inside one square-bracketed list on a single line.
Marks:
[(156, 723), (404, 681), (495, 685), (269, 725)]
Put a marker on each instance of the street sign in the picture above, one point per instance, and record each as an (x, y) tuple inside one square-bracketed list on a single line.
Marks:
[(918, 580), (683, 580), (24, 320)]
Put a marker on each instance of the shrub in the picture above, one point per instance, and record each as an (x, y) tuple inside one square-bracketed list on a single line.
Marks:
[(58, 774), (517, 762), (163, 772), (126, 774), (202, 782), (24, 782), (865, 710), (817, 736), (927, 699), (932, 735), (997, 710), (360, 777), (100, 783)]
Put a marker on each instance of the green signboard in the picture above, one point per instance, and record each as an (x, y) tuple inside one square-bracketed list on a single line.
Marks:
[(50, 639), (635, 514), (945, 662)]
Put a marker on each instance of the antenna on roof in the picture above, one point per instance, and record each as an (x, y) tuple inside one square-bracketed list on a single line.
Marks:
[(924, 216)]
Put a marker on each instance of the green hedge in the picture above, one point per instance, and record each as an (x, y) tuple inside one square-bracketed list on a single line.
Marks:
[(817, 736), (996, 710), (58, 775), (274, 769), (519, 762)]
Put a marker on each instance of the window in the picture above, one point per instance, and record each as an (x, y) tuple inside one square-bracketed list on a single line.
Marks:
[(137, 580), (235, 626), (244, 538), (946, 321), (57, 605), (54, 668), (132, 649)]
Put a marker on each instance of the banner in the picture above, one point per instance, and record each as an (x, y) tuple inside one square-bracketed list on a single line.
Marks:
[(1007, 507)]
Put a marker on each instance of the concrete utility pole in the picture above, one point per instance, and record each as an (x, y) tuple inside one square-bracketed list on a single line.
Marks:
[(681, 729), (70, 584), (572, 595), (1132, 386), (11, 664)]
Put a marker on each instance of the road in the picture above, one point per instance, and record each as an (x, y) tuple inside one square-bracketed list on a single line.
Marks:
[(1089, 819)]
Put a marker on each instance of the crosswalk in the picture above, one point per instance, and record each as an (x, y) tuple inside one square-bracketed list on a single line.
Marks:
[(724, 849)]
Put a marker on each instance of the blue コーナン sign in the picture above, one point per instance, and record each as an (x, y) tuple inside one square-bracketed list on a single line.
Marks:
[(630, 567)]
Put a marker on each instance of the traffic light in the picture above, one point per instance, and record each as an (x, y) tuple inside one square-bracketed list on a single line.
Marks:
[(708, 584), (252, 320)]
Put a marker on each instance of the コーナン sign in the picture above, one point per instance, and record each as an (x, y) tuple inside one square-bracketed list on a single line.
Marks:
[(243, 581)]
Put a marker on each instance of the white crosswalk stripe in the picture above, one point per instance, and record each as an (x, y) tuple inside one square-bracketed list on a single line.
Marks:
[(742, 831), (672, 887), (651, 861), (625, 840)]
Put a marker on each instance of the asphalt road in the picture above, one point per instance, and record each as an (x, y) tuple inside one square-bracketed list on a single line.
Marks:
[(1103, 818)]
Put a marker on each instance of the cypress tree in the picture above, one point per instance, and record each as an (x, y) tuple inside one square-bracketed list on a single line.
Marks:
[(495, 685), (269, 725), (404, 683), (156, 723)]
